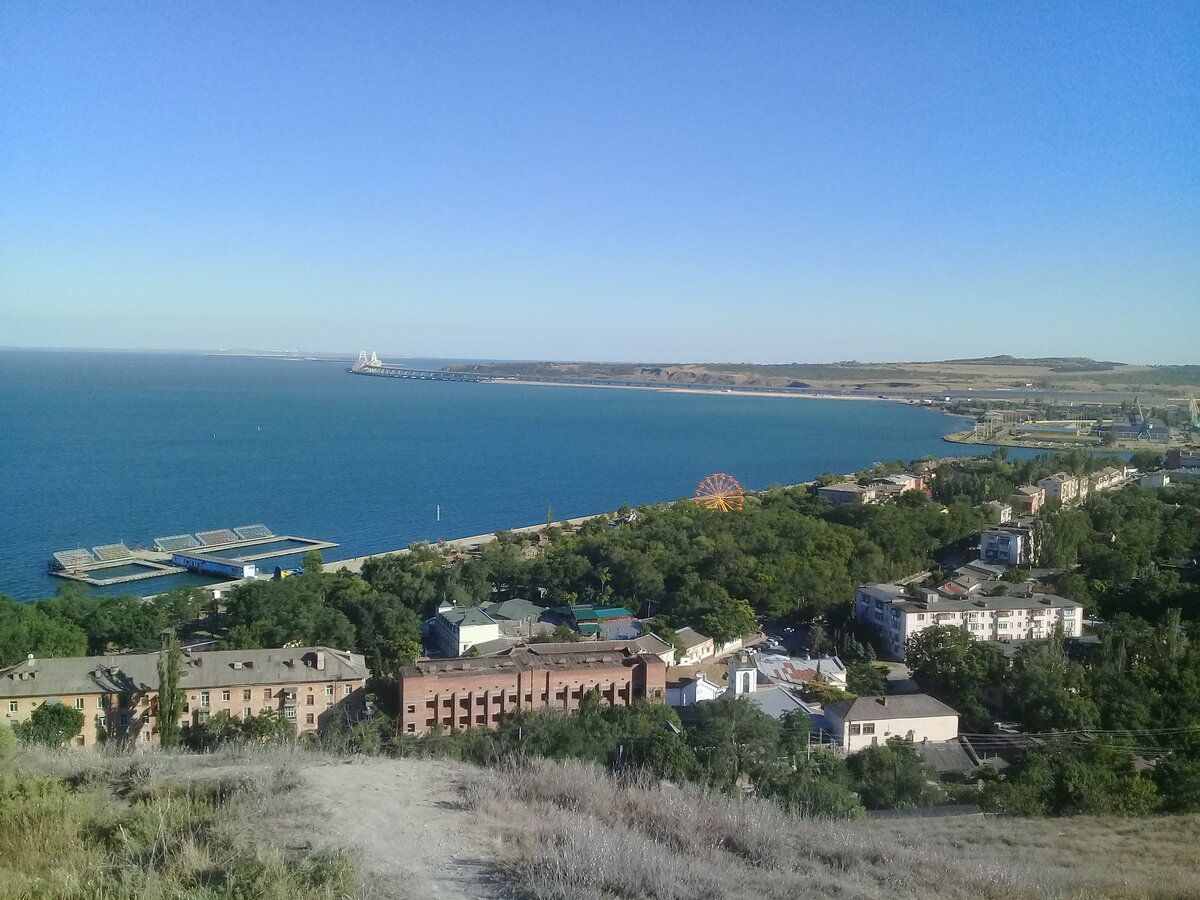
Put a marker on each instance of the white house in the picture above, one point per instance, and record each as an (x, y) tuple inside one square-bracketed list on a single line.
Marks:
[(867, 721), (897, 615), (1007, 545), (458, 628), (689, 691)]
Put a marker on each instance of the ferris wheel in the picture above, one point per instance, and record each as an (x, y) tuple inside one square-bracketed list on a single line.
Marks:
[(721, 492)]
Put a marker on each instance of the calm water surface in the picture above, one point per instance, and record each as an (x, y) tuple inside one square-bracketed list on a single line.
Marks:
[(105, 447)]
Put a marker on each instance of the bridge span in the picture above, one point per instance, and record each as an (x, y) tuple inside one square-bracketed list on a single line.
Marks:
[(372, 365)]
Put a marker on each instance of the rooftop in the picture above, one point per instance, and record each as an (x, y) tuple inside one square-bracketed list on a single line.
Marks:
[(124, 673), (514, 610), (578, 656), (464, 616), (690, 637), (898, 706)]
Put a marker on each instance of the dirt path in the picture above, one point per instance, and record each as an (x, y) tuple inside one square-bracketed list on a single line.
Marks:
[(401, 819)]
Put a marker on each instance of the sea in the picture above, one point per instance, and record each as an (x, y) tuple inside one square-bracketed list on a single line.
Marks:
[(100, 447)]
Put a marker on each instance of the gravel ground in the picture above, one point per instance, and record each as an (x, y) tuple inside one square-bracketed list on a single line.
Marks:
[(403, 820)]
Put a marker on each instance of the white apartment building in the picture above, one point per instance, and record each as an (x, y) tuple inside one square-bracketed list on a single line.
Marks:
[(897, 616), (1061, 487)]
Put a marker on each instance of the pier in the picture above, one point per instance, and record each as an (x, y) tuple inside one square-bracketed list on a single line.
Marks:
[(220, 552), (372, 365)]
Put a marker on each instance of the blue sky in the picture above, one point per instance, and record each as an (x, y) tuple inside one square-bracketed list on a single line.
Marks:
[(615, 181)]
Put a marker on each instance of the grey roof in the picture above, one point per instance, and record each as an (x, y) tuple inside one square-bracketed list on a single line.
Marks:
[(899, 706), (690, 637), (123, 673), (775, 701), (849, 487), (947, 756), (978, 602), (647, 643), (581, 655), (487, 648), (466, 615), (885, 592), (514, 610)]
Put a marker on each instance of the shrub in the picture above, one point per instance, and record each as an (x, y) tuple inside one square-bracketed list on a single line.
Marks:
[(8, 741)]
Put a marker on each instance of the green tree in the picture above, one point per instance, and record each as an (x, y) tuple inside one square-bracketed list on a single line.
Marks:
[(819, 788), (795, 733), (30, 628), (8, 740), (170, 697), (1048, 691), (1177, 776), (52, 725), (732, 737), (952, 666), (891, 776), (1065, 778), (268, 727), (313, 563), (1146, 460), (865, 679)]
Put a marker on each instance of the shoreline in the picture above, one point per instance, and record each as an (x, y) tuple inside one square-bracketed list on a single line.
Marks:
[(699, 389)]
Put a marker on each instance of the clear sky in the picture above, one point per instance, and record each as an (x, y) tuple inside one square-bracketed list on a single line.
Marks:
[(658, 181)]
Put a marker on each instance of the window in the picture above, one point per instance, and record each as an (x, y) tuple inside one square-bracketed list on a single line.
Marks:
[(329, 704), (12, 705), (289, 712), (346, 691), (204, 698), (855, 730), (246, 712), (412, 727), (329, 690), (225, 696), (308, 701), (246, 694), (146, 717), (145, 737), (868, 728), (308, 719), (412, 707), (101, 701), (267, 694), (124, 720), (102, 721)]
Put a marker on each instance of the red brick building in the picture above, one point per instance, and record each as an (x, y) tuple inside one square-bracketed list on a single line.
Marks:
[(468, 692)]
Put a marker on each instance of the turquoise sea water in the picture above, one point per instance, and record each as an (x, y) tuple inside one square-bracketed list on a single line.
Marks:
[(105, 447)]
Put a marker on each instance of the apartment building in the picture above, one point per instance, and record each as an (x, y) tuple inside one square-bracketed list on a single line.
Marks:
[(897, 615), (468, 692), (119, 694)]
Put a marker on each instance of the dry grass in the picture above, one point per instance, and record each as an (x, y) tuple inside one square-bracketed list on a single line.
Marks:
[(103, 826), (573, 832)]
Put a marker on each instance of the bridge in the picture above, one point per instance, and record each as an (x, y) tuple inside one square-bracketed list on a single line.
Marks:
[(372, 365)]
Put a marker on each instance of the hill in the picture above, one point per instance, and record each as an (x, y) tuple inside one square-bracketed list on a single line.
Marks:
[(1059, 374), (298, 823)]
